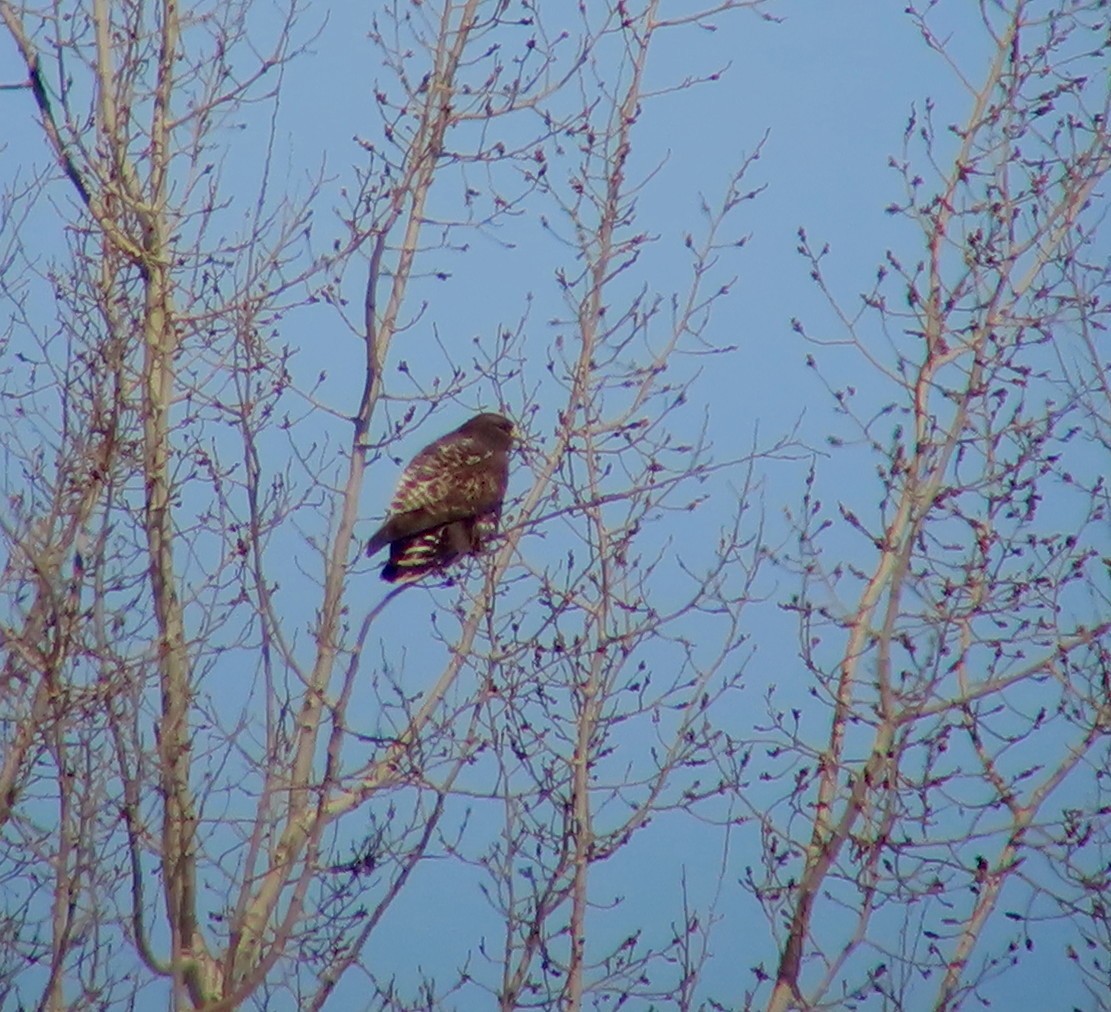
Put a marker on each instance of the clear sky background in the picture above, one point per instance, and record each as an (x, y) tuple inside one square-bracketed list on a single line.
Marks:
[(832, 86)]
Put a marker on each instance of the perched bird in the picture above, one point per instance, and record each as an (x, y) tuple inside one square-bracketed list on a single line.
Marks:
[(448, 500)]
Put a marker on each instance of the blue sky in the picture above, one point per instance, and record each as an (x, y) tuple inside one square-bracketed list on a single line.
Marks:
[(832, 86)]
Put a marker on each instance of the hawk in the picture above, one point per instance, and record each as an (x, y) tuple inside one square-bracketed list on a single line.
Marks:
[(448, 500)]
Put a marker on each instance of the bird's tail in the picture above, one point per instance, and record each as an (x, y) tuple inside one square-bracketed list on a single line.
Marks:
[(429, 551), (394, 573)]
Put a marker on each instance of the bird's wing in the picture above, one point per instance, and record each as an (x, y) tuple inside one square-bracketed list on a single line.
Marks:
[(457, 477), (450, 479)]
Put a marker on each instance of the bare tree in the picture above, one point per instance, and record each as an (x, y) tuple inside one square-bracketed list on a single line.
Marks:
[(229, 767), (962, 653), (148, 406)]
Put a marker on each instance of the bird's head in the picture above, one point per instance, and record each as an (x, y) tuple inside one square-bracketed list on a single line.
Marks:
[(491, 424)]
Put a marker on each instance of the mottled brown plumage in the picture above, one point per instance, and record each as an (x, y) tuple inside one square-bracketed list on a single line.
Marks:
[(448, 500)]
